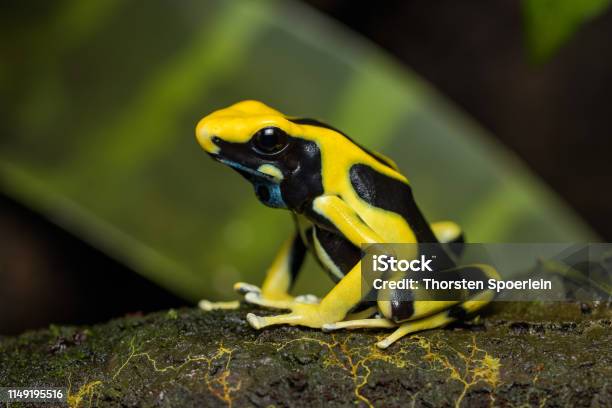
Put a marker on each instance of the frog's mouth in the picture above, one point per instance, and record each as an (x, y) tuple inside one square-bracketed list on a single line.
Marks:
[(247, 172)]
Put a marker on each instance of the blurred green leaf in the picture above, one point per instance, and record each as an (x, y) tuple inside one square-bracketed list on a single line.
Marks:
[(551, 23), (99, 135)]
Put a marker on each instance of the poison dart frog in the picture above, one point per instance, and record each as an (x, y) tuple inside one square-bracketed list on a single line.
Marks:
[(340, 195)]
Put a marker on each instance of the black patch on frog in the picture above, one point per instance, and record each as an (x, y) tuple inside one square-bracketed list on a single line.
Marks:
[(314, 122), (301, 163), (296, 257), (401, 309), (457, 312), (392, 195), (341, 251)]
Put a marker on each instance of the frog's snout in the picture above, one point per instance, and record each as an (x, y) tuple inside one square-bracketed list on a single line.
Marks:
[(205, 138)]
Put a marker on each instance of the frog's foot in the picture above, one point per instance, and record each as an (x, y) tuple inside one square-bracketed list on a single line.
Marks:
[(378, 323), (431, 322), (302, 314), (207, 305), (243, 288)]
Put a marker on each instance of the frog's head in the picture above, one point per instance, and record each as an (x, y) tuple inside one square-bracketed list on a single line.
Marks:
[(268, 149)]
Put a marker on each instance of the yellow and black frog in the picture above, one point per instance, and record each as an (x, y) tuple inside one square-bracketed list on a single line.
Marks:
[(340, 195)]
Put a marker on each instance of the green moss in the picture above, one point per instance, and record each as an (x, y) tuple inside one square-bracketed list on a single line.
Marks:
[(521, 353)]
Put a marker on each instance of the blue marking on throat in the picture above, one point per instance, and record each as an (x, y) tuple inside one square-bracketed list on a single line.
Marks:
[(267, 189), (270, 194)]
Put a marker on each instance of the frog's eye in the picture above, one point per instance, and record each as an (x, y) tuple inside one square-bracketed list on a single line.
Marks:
[(270, 140)]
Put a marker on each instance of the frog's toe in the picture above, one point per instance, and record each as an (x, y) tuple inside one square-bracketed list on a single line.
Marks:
[(207, 305), (395, 336), (255, 321), (259, 322), (310, 299), (257, 299), (243, 288), (383, 344), (431, 322)]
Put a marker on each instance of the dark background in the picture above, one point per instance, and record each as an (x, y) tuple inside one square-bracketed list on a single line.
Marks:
[(557, 120)]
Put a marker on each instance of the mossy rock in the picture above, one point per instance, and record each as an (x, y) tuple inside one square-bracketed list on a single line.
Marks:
[(517, 354)]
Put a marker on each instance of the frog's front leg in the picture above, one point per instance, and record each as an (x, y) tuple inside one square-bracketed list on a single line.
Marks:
[(207, 305), (347, 293), (332, 308)]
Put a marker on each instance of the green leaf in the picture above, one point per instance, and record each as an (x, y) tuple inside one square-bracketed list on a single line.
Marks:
[(550, 23), (99, 135)]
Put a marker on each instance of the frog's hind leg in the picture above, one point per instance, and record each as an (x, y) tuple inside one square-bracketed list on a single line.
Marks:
[(439, 319)]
